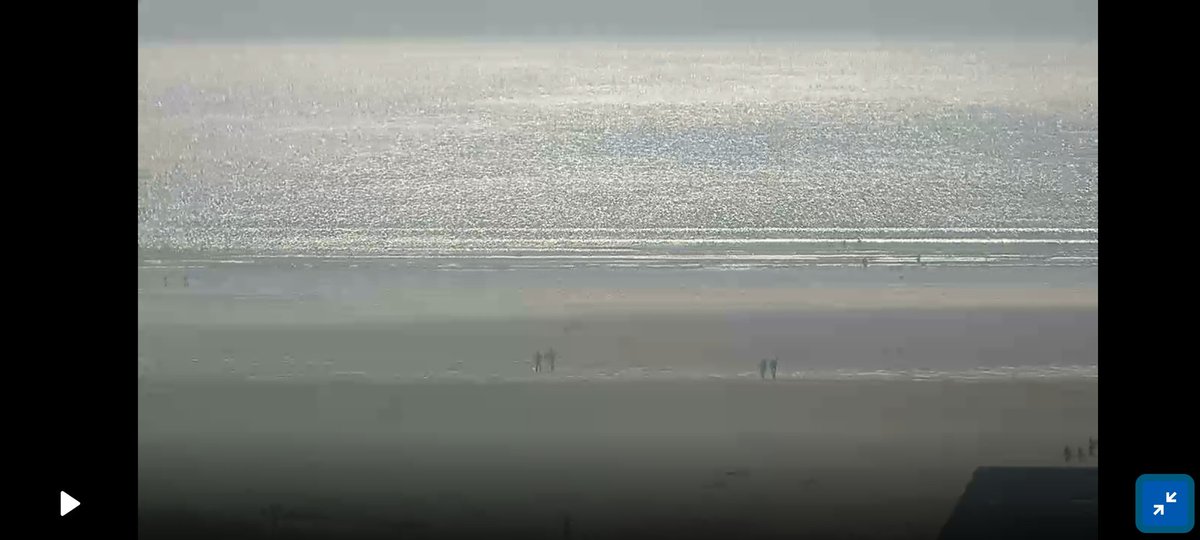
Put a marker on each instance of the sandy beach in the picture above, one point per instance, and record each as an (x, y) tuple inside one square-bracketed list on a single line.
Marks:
[(414, 412), (981, 330), (749, 459)]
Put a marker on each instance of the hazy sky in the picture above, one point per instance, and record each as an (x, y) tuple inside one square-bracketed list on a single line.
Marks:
[(258, 19)]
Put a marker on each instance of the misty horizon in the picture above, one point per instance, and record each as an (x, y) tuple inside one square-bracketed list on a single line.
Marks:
[(176, 20)]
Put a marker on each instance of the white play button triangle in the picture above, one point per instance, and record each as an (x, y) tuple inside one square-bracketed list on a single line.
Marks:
[(66, 503)]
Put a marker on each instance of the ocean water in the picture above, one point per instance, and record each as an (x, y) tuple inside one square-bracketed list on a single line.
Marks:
[(300, 190), (624, 155)]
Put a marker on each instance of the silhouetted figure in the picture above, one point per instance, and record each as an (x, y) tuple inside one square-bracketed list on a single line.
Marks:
[(550, 356), (774, 366), (1093, 445), (864, 262), (762, 368), (1067, 454), (164, 281), (918, 258), (537, 362), (1081, 454)]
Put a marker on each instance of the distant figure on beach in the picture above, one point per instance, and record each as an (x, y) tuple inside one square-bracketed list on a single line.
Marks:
[(762, 368), (918, 258), (537, 362), (1091, 446), (550, 356), (774, 366), (864, 262), (1067, 454)]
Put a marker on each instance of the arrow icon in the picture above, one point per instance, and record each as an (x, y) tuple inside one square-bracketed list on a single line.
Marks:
[(66, 503), (1159, 510), (1171, 496)]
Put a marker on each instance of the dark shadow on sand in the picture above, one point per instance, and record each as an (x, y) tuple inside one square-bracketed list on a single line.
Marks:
[(1027, 502)]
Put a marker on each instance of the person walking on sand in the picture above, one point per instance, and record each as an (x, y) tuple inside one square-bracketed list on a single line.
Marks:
[(1091, 446), (537, 362), (774, 366), (550, 356), (762, 368)]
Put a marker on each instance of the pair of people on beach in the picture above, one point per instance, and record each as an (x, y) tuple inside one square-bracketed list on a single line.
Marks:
[(549, 358), (762, 367), (185, 280), (1092, 444)]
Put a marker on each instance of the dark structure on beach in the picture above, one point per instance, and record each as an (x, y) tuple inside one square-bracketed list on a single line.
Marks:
[(1027, 503)]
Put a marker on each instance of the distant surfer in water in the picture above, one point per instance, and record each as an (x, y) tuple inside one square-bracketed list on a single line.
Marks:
[(864, 262)]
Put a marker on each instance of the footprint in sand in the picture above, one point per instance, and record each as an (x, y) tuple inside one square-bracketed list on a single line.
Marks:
[(726, 476), (738, 472)]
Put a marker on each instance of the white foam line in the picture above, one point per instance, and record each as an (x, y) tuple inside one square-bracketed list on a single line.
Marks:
[(1079, 230), (418, 241), (855, 257)]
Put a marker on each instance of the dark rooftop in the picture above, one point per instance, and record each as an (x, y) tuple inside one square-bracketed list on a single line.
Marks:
[(1027, 503)]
